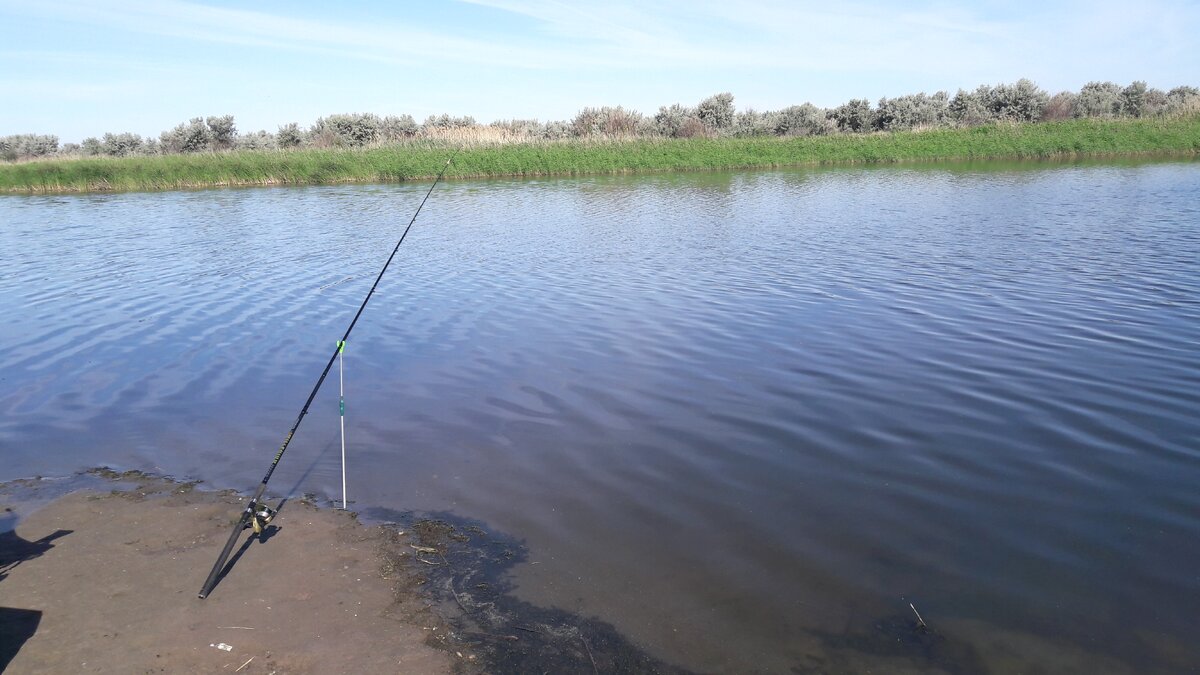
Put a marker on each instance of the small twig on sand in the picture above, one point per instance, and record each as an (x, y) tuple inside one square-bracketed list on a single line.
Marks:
[(920, 621), (456, 598), (589, 651), (237, 627), (244, 664), (506, 638)]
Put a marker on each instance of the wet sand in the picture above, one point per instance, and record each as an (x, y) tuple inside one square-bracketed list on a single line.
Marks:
[(105, 581), (101, 573)]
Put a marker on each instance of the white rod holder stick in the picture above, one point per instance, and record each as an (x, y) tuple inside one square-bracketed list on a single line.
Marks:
[(342, 413)]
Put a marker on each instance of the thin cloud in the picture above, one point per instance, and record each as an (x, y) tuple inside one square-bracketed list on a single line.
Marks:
[(956, 44), (397, 44)]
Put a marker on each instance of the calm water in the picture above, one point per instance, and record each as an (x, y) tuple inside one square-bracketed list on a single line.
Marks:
[(745, 418)]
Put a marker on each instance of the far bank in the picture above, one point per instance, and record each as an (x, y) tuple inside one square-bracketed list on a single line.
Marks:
[(1085, 138)]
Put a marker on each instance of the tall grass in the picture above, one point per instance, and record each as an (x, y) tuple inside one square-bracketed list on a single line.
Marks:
[(496, 155)]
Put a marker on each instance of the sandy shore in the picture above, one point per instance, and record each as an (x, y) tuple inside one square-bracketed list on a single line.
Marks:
[(101, 574), (103, 581)]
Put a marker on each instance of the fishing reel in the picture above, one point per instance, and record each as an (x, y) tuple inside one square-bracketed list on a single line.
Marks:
[(260, 517)]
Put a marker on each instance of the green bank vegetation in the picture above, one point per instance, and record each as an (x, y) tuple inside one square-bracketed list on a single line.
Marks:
[(424, 158), (713, 117)]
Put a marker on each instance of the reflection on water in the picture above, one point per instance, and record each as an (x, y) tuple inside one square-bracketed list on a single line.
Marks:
[(743, 418)]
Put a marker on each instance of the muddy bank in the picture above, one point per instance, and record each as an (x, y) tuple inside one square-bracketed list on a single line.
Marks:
[(99, 573), (106, 581)]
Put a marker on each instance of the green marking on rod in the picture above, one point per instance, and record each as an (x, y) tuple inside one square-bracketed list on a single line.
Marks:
[(342, 407), (341, 345)]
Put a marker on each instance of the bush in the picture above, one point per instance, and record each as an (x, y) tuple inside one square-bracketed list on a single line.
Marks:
[(533, 129), (751, 123), (289, 136), (1133, 99), (554, 131), (393, 128), (605, 121), (908, 112), (1154, 103), (258, 140), (620, 122), (121, 145), (803, 120), (1061, 106), (191, 136), (647, 127), (670, 121), (1139, 100), (1182, 100), (1023, 101), (717, 112), (1098, 99), (222, 132), (23, 146), (39, 145), (852, 116), (445, 121), (1182, 94), (348, 130), (970, 108), (692, 127)]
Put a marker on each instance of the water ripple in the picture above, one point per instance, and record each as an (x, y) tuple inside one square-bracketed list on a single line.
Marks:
[(724, 410)]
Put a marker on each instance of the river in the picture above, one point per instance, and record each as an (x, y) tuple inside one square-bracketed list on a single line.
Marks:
[(744, 418)]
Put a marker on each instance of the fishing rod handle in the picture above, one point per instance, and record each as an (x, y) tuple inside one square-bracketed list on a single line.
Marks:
[(220, 564)]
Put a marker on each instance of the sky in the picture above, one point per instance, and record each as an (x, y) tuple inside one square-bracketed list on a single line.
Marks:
[(78, 68)]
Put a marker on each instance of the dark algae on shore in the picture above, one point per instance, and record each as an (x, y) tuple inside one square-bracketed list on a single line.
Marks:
[(465, 566), (418, 161)]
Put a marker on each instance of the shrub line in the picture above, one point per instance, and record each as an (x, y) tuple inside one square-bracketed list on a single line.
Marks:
[(1072, 139)]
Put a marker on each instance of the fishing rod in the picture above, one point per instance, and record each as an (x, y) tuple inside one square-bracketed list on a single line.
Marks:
[(257, 516)]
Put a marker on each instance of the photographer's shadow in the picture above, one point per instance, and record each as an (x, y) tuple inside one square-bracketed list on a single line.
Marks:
[(18, 625)]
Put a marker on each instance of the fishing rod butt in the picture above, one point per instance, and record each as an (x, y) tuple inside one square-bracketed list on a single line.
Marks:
[(219, 566)]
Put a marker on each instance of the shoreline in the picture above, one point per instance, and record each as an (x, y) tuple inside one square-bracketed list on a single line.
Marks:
[(99, 573), (1069, 140)]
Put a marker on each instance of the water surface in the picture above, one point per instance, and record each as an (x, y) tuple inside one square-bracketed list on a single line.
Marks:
[(746, 418)]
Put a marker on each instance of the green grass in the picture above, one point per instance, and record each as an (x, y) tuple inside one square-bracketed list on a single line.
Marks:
[(1075, 138)]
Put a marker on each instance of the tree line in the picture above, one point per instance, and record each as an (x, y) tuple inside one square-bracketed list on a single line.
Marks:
[(715, 116)]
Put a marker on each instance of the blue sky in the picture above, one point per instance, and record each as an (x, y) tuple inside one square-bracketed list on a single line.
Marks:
[(79, 68)]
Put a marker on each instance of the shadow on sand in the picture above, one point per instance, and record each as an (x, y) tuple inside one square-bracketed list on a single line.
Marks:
[(18, 625)]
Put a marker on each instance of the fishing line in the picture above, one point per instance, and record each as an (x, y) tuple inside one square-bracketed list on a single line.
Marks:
[(254, 515)]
